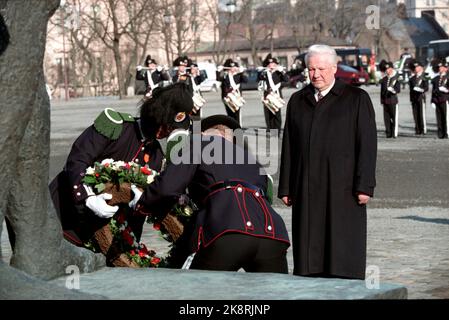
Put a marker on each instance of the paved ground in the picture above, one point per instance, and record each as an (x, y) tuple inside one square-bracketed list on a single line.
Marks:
[(408, 226)]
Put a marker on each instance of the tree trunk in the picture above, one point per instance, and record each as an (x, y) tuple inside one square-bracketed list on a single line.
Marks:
[(40, 249), (119, 66)]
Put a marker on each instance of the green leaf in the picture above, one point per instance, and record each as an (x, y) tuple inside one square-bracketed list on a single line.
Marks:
[(100, 187)]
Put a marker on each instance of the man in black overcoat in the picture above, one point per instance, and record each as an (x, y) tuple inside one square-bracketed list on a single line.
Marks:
[(327, 171)]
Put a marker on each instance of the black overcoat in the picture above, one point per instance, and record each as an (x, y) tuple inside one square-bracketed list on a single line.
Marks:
[(329, 154)]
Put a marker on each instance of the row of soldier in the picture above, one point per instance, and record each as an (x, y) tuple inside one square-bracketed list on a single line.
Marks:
[(231, 75), (419, 85)]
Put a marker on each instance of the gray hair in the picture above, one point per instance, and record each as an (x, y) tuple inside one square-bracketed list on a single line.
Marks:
[(321, 49)]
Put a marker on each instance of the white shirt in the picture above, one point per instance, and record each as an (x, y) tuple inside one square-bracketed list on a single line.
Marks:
[(324, 92)]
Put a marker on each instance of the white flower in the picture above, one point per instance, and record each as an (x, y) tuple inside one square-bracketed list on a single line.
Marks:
[(118, 165), (90, 171), (107, 161), (150, 178)]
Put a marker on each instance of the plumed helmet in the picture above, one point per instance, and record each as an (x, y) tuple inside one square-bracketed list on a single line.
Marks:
[(4, 35), (413, 63), (230, 63), (182, 61), (170, 105), (384, 65), (437, 63), (149, 60), (269, 59)]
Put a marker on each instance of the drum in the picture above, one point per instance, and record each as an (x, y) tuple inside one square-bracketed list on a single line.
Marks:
[(273, 102)]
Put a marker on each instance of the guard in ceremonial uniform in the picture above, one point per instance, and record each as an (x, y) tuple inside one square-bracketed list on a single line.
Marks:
[(272, 77), (182, 66), (196, 79), (153, 75), (119, 136), (418, 88), (235, 227), (440, 97), (231, 76), (389, 88)]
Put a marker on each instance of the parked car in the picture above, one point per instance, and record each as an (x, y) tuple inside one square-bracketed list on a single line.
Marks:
[(351, 75)]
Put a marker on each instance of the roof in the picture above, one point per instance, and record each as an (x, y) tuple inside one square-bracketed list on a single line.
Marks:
[(278, 43), (419, 30)]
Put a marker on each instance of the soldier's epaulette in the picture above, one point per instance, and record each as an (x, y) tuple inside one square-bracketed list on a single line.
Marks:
[(110, 123)]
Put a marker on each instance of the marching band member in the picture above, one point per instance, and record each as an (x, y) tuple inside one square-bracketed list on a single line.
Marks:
[(231, 76), (390, 87), (198, 100), (152, 74), (272, 77), (418, 88), (182, 66), (440, 97)]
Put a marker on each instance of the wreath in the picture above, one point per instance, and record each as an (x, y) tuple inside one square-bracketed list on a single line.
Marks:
[(116, 240)]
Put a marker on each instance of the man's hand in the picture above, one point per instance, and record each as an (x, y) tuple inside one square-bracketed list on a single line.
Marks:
[(443, 89), (159, 68), (391, 90), (287, 201), (99, 206), (139, 68), (137, 194), (418, 89), (363, 198)]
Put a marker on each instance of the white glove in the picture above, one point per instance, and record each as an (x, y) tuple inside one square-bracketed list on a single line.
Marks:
[(159, 68), (220, 68), (391, 90), (139, 68), (260, 68), (99, 206), (281, 68), (443, 89), (418, 89), (241, 69), (137, 194)]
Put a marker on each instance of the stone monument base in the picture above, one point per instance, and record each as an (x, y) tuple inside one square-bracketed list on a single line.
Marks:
[(137, 284)]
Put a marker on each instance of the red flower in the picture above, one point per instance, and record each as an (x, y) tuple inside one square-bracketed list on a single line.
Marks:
[(106, 165), (127, 237), (145, 170), (155, 260), (132, 252), (127, 166), (97, 174), (142, 254), (121, 219), (157, 226)]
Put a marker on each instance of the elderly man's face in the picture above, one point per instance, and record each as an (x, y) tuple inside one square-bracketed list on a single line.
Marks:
[(321, 71)]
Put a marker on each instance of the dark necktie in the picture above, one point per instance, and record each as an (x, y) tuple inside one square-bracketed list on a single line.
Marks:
[(319, 96)]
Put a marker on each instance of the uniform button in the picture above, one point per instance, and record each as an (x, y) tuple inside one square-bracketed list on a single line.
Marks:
[(269, 228), (78, 194), (143, 148), (75, 187), (257, 194), (249, 224), (239, 189), (137, 160)]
